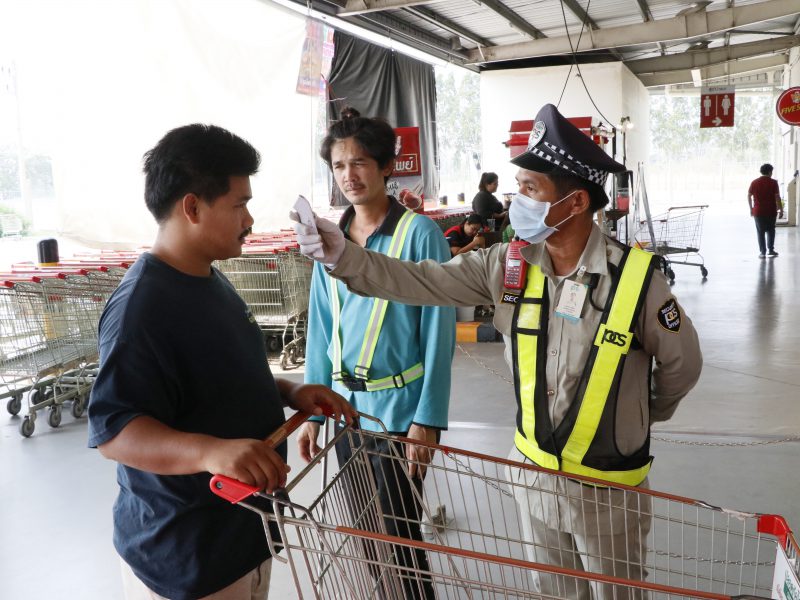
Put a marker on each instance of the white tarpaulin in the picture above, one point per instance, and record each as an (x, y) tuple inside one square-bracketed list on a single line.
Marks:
[(98, 83)]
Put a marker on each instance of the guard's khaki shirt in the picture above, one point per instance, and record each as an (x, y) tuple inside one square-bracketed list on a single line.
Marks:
[(476, 278)]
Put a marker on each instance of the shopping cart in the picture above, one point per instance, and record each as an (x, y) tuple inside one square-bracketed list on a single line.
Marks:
[(274, 279), (48, 337), (337, 546), (675, 236)]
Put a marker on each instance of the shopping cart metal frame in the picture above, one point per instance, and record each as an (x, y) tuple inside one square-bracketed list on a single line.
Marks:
[(676, 232), (49, 317), (694, 550), (274, 280)]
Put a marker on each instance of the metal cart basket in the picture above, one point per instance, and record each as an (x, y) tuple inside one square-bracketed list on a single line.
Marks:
[(274, 281), (337, 546), (675, 236)]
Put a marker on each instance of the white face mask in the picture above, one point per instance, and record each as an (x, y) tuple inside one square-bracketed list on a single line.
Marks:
[(527, 218)]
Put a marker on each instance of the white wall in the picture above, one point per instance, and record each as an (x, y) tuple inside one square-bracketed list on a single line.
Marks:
[(518, 94)]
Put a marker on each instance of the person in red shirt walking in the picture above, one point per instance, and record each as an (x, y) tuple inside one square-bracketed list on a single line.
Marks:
[(764, 199)]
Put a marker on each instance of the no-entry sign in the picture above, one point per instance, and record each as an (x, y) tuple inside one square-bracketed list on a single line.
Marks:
[(788, 106), (716, 106)]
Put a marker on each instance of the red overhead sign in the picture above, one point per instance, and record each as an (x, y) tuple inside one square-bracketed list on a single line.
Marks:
[(716, 106), (788, 106)]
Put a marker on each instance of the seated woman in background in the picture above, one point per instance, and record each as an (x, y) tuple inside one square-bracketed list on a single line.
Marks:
[(485, 203), (466, 236)]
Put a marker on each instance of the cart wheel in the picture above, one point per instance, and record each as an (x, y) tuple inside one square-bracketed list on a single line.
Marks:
[(671, 275), (14, 405), (54, 418), (41, 395), (26, 427), (704, 272), (78, 407), (273, 343)]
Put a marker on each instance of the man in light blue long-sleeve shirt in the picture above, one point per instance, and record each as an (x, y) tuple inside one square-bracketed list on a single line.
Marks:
[(409, 335), (396, 368)]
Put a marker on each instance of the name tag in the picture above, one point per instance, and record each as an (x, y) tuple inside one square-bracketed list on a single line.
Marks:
[(570, 304)]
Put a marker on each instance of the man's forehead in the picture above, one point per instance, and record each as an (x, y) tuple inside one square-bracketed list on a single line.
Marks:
[(348, 149), (240, 186), (526, 176)]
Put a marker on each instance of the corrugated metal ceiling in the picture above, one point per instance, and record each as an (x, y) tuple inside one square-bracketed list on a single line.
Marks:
[(501, 24)]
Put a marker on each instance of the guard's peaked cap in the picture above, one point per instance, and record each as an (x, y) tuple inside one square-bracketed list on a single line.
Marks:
[(555, 143)]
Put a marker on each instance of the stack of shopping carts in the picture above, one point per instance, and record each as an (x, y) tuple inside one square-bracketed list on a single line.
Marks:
[(477, 509), (274, 279), (48, 334)]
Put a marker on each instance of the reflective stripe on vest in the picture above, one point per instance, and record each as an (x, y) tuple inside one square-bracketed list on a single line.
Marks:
[(613, 340), (374, 326)]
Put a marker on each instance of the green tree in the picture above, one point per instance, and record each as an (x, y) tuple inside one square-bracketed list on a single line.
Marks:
[(39, 172), (457, 121), (676, 133), (9, 173)]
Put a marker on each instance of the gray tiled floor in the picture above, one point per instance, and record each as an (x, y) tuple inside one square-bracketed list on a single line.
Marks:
[(56, 496)]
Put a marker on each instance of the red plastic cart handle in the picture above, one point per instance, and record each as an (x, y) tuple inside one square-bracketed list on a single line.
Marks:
[(235, 491), (774, 525)]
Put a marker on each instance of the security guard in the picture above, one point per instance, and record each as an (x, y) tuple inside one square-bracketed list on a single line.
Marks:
[(584, 318)]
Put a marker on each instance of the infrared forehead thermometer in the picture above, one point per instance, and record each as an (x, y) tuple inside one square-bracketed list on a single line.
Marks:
[(303, 210)]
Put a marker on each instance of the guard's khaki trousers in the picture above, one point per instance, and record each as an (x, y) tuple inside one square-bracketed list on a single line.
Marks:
[(581, 527)]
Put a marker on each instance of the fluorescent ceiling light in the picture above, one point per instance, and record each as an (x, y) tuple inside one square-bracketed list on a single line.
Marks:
[(364, 34), (697, 78)]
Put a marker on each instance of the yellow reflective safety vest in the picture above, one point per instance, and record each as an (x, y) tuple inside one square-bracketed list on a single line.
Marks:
[(359, 380), (575, 446)]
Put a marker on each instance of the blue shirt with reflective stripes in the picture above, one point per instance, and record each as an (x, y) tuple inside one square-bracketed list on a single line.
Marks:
[(410, 335)]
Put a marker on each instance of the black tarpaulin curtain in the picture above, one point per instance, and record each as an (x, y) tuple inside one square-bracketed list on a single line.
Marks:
[(379, 82)]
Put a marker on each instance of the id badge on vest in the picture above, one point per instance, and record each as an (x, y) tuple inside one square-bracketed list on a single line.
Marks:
[(570, 304)]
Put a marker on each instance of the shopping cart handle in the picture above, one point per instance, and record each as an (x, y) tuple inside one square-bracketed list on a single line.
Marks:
[(232, 490)]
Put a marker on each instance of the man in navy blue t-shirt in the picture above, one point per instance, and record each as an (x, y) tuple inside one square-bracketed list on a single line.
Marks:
[(184, 388)]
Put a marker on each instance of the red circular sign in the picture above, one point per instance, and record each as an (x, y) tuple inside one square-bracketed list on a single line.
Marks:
[(788, 106)]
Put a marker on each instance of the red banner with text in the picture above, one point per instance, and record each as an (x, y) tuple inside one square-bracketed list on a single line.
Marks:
[(407, 167)]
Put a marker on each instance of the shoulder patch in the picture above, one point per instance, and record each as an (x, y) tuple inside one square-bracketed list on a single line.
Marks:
[(669, 316)]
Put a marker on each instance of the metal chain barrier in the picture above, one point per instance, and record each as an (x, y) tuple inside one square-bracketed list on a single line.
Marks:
[(783, 440), (791, 438), (485, 366)]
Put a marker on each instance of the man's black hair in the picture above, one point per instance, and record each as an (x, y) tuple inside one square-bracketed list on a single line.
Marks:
[(198, 159), (766, 169), (566, 182), (375, 136)]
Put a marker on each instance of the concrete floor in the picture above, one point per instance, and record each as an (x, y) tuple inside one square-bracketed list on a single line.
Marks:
[(726, 444)]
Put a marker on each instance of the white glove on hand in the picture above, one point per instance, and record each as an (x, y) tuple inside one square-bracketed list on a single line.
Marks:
[(326, 245)]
